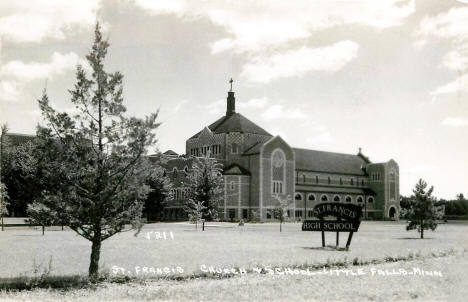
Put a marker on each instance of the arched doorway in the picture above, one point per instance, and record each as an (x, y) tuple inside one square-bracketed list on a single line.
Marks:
[(392, 213)]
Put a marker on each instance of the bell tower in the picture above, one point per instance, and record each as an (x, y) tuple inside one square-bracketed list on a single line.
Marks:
[(231, 102)]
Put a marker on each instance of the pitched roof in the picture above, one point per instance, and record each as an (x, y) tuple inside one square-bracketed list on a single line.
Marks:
[(322, 161), (254, 149), (235, 123), (170, 152), (235, 169)]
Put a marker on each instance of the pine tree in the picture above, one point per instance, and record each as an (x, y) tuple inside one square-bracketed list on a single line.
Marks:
[(421, 212), (94, 162), (156, 200), (205, 181)]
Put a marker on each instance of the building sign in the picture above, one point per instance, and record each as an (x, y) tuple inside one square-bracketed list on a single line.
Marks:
[(347, 218), (330, 226)]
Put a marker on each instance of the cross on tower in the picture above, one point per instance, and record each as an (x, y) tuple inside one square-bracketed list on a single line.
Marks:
[(230, 81)]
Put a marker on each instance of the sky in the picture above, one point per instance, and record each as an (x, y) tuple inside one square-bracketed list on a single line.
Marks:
[(387, 76)]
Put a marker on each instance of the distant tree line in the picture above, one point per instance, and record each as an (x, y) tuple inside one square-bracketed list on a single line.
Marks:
[(453, 209)]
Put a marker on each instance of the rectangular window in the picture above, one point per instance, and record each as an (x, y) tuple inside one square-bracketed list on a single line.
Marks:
[(298, 213), (245, 213), (232, 213), (277, 187), (310, 213)]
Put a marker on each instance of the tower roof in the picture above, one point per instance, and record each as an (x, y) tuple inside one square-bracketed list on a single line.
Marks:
[(235, 122)]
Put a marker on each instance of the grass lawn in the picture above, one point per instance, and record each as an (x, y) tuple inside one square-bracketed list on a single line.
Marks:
[(226, 245)]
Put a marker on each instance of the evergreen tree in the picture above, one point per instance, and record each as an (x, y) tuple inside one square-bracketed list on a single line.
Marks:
[(421, 212), (156, 200), (205, 186), (95, 166)]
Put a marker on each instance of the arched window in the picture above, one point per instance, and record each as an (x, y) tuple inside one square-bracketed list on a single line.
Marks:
[(337, 198), (234, 148), (278, 169), (348, 199), (298, 196), (324, 197), (370, 199), (311, 197), (359, 199)]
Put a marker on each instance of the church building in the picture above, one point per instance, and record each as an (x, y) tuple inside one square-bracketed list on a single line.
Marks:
[(259, 168)]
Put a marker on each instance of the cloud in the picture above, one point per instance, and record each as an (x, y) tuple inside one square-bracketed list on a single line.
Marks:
[(179, 105), (58, 64), (256, 103), (35, 20), (459, 84), (453, 27), (277, 111), (320, 139), (9, 91), (456, 59), (219, 106), (298, 62), (455, 121), (259, 25)]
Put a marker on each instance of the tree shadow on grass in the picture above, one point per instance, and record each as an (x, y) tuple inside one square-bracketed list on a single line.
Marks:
[(328, 248)]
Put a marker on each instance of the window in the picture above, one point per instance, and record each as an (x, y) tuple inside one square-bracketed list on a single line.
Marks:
[(268, 214), (362, 182), (341, 181), (316, 179), (164, 173), (348, 199), (186, 171), (310, 213), (359, 199), (278, 168), (370, 199), (298, 213), (324, 197), (392, 185), (352, 182), (245, 213), (277, 187), (234, 148), (311, 197), (337, 198), (329, 180), (232, 185), (232, 213), (174, 173), (303, 178), (298, 196)]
